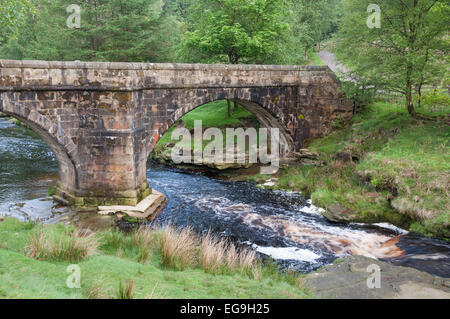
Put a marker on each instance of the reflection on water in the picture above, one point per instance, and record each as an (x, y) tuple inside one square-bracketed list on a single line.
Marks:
[(280, 224)]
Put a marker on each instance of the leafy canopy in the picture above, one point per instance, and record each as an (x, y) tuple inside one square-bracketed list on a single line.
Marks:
[(13, 14), (110, 30), (235, 31), (409, 49)]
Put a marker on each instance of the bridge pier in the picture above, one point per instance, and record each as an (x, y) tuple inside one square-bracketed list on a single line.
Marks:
[(102, 120)]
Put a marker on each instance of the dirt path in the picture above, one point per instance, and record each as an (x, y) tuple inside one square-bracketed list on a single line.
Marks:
[(330, 59)]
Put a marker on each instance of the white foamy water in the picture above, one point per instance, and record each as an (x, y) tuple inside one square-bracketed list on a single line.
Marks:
[(311, 209), (339, 240), (288, 253), (306, 227), (391, 227)]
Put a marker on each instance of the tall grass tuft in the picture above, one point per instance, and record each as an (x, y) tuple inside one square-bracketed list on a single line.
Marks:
[(219, 256), (244, 261), (142, 237), (126, 289), (140, 242), (144, 255), (182, 248), (144, 240), (178, 248), (48, 244), (212, 254), (97, 290)]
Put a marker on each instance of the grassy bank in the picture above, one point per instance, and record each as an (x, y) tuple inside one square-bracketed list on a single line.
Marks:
[(214, 114), (385, 166), (160, 263)]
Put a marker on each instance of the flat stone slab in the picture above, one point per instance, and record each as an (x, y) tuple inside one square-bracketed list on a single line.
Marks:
[(148, 208), (348, 280)]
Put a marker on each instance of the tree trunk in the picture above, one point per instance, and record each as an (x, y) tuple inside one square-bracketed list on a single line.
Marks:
[(419, 92), (229, 108), (409, 97), (409, 102), (422, 78), (233, 59), (236, 105)]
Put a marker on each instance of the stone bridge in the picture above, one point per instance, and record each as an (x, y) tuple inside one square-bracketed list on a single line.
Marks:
[(102, 120)]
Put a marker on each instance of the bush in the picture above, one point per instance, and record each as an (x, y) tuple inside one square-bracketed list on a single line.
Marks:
[(435, 99), (178, 247), (361, 93), (219, 256), (212, 254), (48, 244), (126, 290)]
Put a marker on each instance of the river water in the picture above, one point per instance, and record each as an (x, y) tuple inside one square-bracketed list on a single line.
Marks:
[(279, 224)]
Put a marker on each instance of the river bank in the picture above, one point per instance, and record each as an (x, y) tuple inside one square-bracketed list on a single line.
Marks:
[(347, 279), (371, 171), (34, 263), (114, 265), (383, 167)]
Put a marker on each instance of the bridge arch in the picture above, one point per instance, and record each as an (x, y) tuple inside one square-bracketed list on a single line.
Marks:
[(55, 138), (259, 102)]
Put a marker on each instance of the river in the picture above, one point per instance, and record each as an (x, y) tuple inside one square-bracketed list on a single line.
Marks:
[(279, 224)]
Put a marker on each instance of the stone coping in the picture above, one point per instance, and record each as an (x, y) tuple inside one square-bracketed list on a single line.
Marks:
[(145, 209), (153, 66)]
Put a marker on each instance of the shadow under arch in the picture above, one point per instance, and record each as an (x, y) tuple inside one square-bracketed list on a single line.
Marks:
[(67, 173), (264, 114)]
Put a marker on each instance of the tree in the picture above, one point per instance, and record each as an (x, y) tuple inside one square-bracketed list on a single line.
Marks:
[(234, 31), (110, 30), (13, 14), (408, 50), (311, 22)]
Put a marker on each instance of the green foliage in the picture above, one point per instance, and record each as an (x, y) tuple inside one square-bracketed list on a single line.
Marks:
[(13, 14), (211, 31), (405, 53), (214, 114), (311, 21), (234, 31), (51, 191), (113, 30), (401, 175), (360, 92), (435, 98)]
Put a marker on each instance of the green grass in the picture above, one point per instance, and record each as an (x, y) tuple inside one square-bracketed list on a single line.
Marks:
[(401, 175), (115, 267), (314, 58), (214, 114)]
